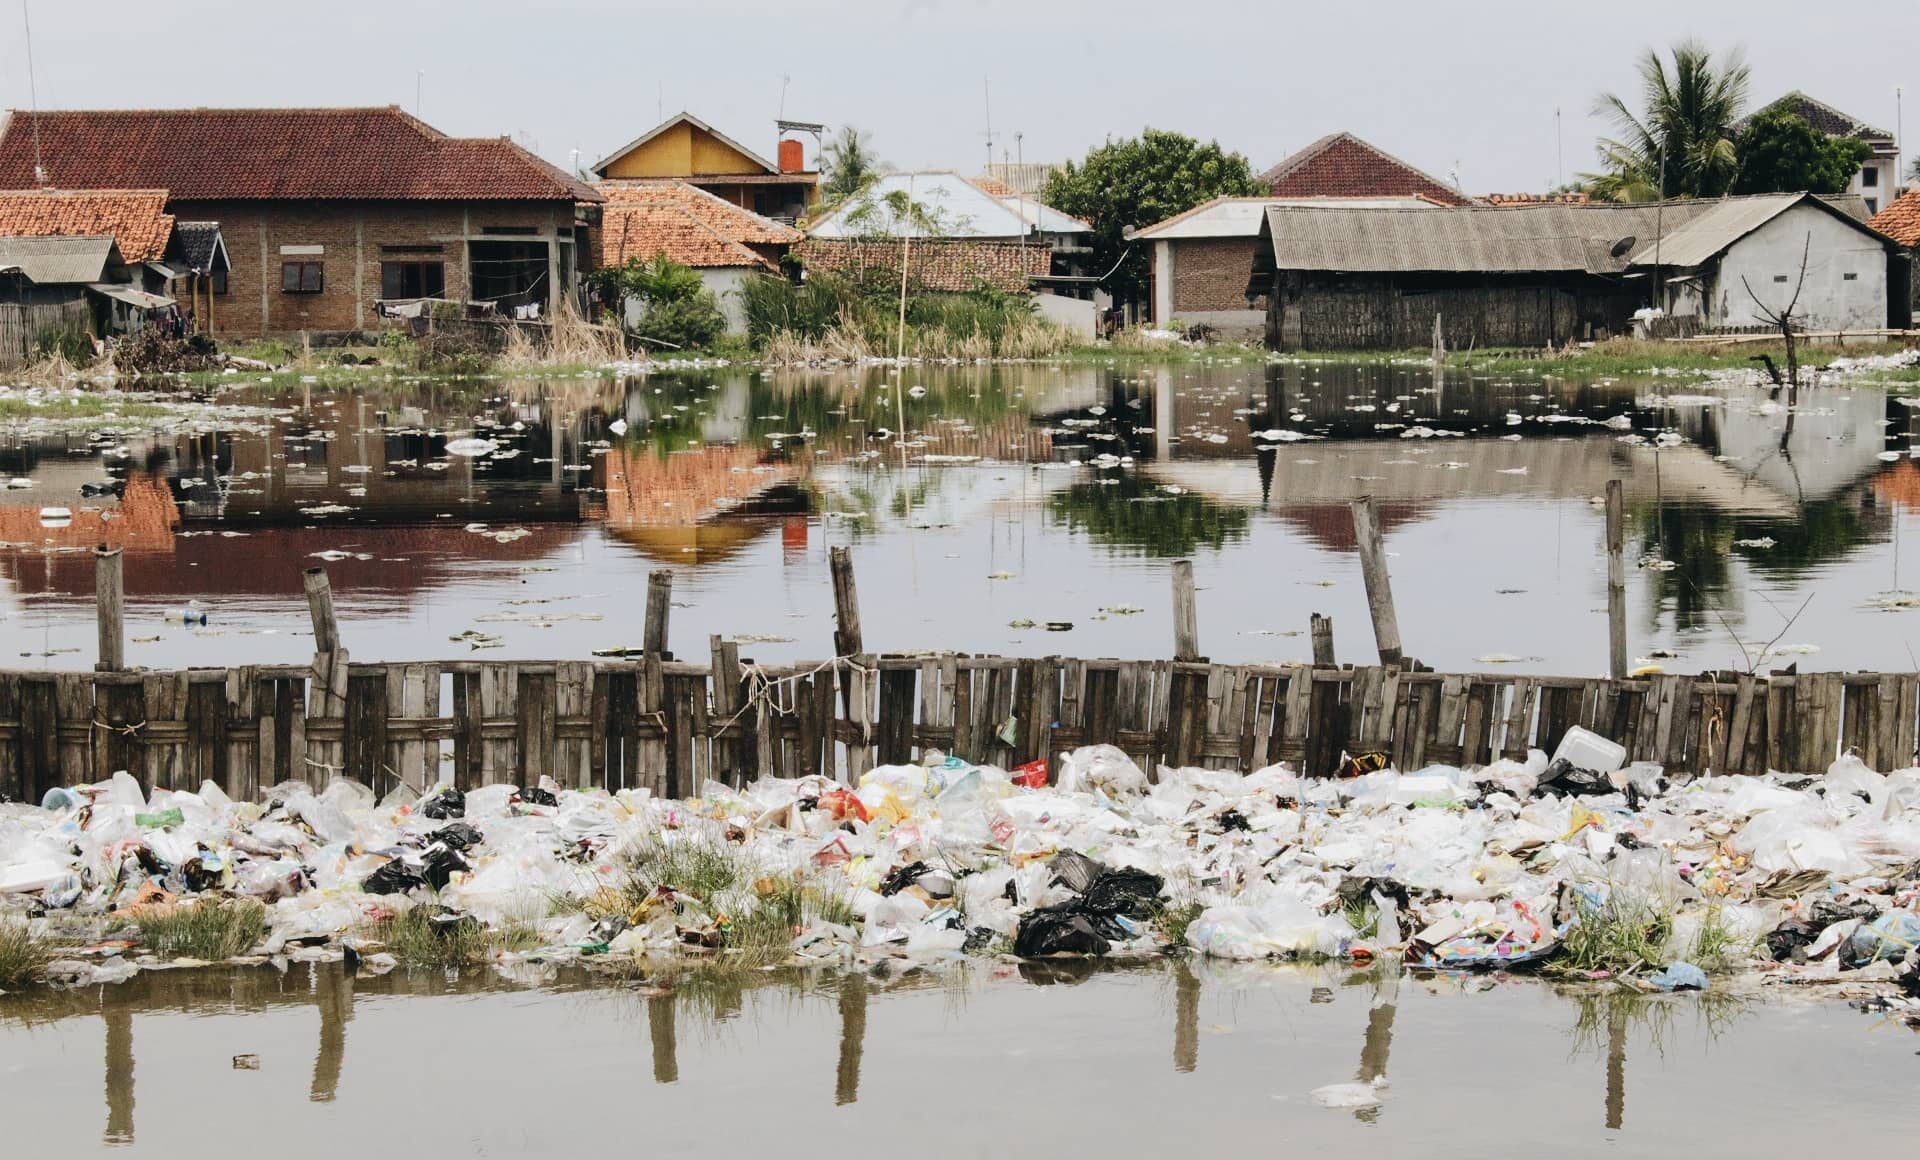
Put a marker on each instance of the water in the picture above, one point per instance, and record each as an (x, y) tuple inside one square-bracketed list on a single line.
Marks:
[(963, 1061), (980, 522)]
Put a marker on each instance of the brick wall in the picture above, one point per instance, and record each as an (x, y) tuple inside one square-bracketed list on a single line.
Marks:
[(351, 235), (1211, 274)]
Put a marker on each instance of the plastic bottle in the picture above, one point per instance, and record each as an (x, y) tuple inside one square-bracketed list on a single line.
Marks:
[(186, 616)]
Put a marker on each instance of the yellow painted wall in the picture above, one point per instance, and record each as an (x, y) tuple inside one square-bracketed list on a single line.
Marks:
[(683, 151)]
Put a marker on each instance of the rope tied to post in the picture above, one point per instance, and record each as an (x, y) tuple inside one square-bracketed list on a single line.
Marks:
[(132, 730)]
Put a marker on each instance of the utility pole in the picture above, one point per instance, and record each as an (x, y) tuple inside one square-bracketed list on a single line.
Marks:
[(419, 79)]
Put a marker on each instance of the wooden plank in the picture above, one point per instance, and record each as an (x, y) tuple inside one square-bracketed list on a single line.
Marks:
[(603, 746), (1906, 723), (647, 748), (1295, 722), (533, 729), (242, 702), (966, 738), (1326, 727), (1477, 730), (1186, 718), (573, 701), (733, 757), (120, 717), (1740, 722), (165, 736), (73, 693), (364, 746), (1449, 721), (467, 742), (947, 712), (206, 749), (37, 746), (1516, 737), (1101, 720), (895, 739), (327, 701)]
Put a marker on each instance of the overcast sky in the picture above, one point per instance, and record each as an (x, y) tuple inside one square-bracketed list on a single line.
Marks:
[(1445, 86)]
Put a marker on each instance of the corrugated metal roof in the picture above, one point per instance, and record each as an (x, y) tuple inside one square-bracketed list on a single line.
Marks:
[(51, 261), (961, 209), (1240, 217), (1725, 222), (1466, 239)]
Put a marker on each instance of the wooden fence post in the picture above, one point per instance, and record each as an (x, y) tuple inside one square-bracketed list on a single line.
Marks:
[(853, 664), (1186, 615), (1373, 569), (109, 598), (846, 604), (1322, 640), (659, 607), (326, 631), (1616, 581)]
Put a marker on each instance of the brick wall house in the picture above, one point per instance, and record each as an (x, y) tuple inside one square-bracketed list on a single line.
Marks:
[(328, 212)]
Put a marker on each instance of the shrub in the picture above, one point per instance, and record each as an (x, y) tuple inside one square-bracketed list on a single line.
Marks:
[(677, 310), (24, 953), (210, 929)]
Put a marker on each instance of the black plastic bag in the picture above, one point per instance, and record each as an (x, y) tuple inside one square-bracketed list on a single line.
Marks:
[(396, 877), (448, 803), (1134, 893), (457, 836), (439, 865), (533, 795), (1789, 941), (1565, 779), (902, 878), (1064, 930)]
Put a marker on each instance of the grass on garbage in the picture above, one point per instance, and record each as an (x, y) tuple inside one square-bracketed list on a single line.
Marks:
[(1716, 947), (210, 930), (1171, 922), (698, 867), (24, 954), (417, 937), (1626, 933)]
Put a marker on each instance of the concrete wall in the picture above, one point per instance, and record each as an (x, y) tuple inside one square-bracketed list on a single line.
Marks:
[(1076, 314), (1846, 284), (1886, 184), (723, 282)]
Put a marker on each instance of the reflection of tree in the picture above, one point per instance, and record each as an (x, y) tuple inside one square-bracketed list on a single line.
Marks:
[(1701, 540), (1123, 510)]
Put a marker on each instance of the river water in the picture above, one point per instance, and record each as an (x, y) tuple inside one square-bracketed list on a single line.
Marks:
[(993, 518), (970, 1060)]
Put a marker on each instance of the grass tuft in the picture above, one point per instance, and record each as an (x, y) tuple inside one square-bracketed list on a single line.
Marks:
[(211, 929), (1624, 934), (24, 954)]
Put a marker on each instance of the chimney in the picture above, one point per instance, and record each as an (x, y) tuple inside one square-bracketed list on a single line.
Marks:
[(793, 156)]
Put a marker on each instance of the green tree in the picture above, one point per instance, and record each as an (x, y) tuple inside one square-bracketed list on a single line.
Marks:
[(1782, 153), (1128, 184), (677, 310), (1681, 142), (847, 163)]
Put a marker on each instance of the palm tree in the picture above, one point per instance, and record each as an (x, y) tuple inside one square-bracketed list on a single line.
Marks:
[(1681, 144), (849, 164)]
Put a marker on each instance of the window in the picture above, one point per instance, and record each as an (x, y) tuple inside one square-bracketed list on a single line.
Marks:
[(301, 278), (1869, 177), (219, 281), (1850, 276), (423, 249), (511, 231), (1779, 277), (413, 279), (1873, 203)]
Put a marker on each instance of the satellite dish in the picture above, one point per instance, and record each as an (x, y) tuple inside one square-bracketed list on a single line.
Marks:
[(1624, 246)]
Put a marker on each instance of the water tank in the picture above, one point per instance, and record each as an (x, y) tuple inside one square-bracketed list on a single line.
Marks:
[(793, 156)]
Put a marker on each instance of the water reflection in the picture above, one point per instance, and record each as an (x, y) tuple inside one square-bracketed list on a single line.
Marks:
[(740, 479)]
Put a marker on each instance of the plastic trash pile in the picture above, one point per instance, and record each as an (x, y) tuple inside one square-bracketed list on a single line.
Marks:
[(1517, 864)]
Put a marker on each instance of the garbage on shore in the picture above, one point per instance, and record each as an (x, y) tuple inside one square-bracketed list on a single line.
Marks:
[(1623, 874)]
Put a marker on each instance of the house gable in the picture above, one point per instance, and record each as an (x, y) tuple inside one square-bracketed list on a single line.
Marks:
[(683, 147), (1342, 165)]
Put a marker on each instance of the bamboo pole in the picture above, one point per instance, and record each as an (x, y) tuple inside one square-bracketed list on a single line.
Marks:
[(1373, 569), (1186, 615), (326, 631), (846, 605), (659, 607), (1616, 581), (109, 598), (1322, 627)]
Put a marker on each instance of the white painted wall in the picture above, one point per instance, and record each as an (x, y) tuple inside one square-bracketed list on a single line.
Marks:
[(1162, 283), (1886, 184), (1846, 286), (1076, 314)]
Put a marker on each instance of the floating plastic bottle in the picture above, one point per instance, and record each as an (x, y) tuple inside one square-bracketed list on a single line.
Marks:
[(187, 616)]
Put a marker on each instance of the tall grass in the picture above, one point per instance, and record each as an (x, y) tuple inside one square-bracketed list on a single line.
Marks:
[(1627, 932), (24, 954), (827, 319), (211, 929)]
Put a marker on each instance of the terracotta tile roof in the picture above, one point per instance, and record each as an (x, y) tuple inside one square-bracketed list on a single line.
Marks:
[(1342, 165), (1575, 198), (1901, 220), (994, 187), (644, 219), (954, 265), (134, 218), (249, 154)]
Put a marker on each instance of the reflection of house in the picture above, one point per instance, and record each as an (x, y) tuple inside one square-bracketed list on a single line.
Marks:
[(1342, 165), (1201, 258), (324, 212), (689, 149), (1738, 260), (664, 504), (1877, 178), (726, 244)]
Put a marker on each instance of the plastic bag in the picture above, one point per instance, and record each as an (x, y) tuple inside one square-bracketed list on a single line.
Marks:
[(1032, 775)]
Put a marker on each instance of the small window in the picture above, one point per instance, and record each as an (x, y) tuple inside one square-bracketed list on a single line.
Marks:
[(1873, 203), (1850, 276), (301, 278), (413, 279), (511, 231), (1869, 177), (1779, 277), (421, 249), (219, 281)]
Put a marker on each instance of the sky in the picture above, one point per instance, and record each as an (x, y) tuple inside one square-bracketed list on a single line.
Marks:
[(1470, 90)]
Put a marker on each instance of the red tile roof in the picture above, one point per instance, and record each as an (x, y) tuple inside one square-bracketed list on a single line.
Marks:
[(134, 218), (1901, 220), (1342, 165), (644, 219), (1575, 198), (993, 187), (954, 265), (250, 154)]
